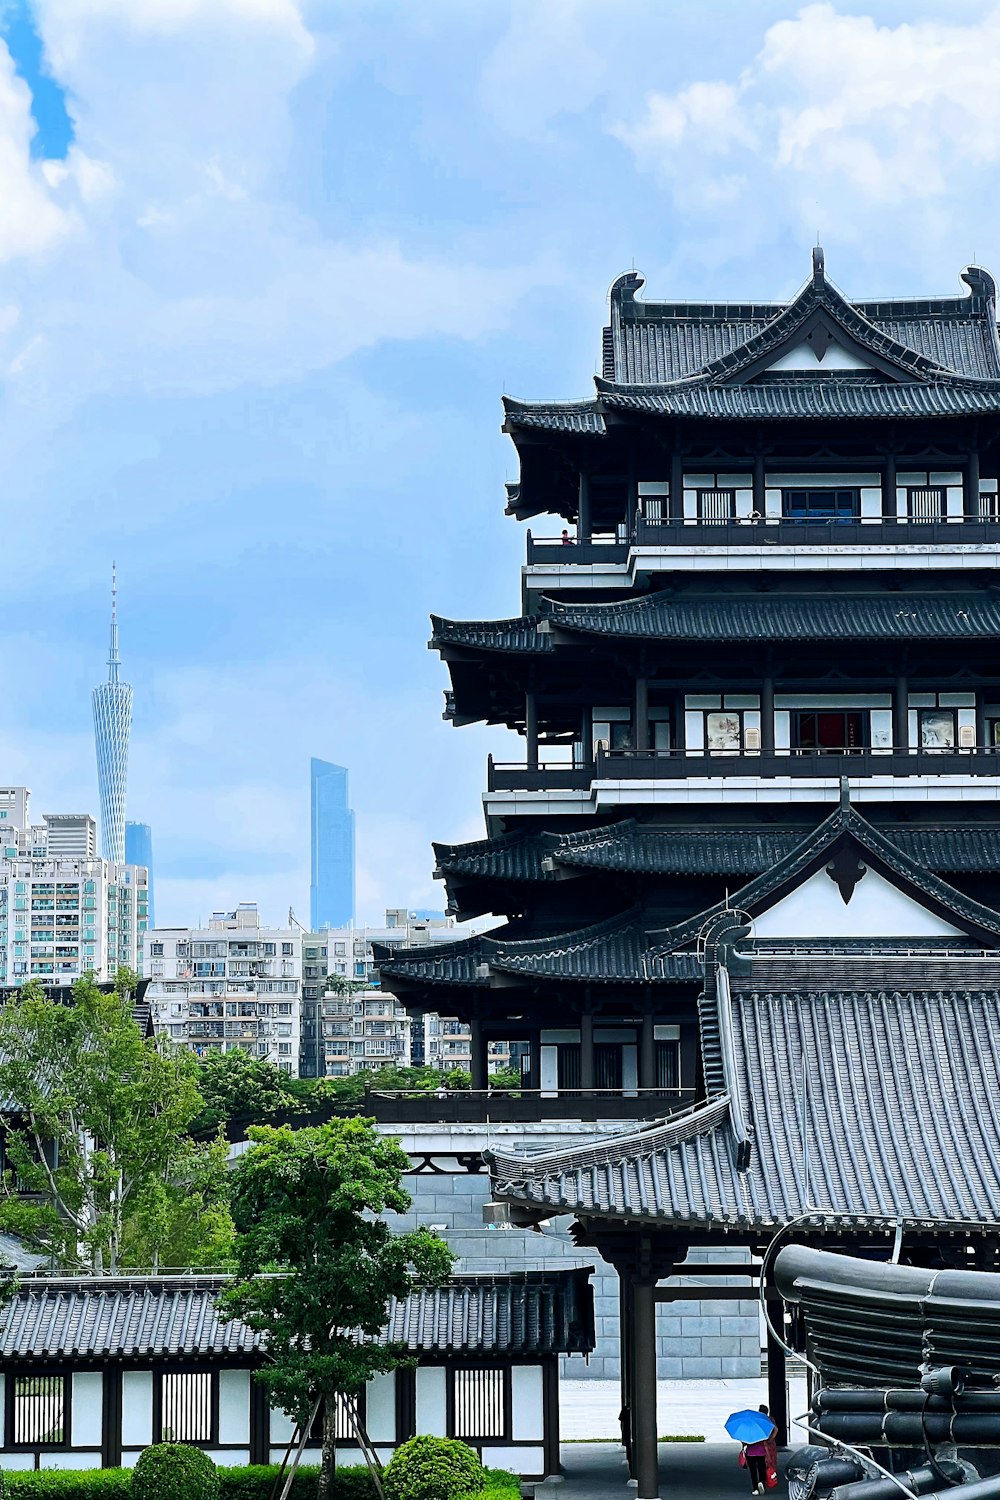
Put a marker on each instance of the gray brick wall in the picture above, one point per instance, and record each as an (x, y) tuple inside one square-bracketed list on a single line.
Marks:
[(695, 1338)]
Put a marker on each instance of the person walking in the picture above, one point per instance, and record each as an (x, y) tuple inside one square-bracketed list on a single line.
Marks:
[(762, 1459), (756, 1434)]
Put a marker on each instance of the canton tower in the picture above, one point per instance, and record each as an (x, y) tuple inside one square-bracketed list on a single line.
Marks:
[(112, 722)]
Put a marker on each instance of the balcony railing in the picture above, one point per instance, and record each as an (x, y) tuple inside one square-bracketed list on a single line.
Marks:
[(674, 765), (770, 531)]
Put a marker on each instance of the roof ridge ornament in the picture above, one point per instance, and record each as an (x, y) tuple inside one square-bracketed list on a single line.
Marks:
[(818, 266)]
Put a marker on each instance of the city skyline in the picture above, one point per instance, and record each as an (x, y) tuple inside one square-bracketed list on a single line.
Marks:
[(262, 368), (331, 847)]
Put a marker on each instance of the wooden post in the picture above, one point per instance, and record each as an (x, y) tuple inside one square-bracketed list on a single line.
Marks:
[(479, 1064), (981, 719), (641, 715), (767, 715), (759, 485), (587, 736), (588, 1072), (971, 506), (679, 736), (647, 1053), (631, 498), (626, 1344), (889, 487), (647, 1467), (534, 1058), (901, 714), (583, 508), (531, 730), (777, 1386), (675, 499)]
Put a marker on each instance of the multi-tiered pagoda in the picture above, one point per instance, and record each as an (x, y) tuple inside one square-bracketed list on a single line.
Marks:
[(749, 859)]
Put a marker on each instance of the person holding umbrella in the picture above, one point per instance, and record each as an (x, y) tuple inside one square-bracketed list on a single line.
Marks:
[(755, 1432)]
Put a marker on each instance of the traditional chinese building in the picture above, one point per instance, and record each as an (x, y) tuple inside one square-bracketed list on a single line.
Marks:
[(749, 858)]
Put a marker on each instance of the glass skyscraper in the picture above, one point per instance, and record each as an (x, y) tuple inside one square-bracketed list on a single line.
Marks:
[(139, 851), (331, 889), (112, 723)]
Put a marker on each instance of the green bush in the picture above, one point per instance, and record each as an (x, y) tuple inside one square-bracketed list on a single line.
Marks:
[(68, 1484), (174, 1471), (501, 1485), (431, 1468), (256, 1482)]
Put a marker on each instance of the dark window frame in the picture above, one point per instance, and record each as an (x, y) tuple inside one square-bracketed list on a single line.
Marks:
[(938, 490), (719, 494), (796, 716), (507, 1401), (212, 1441), (50, 1372), (811, 508), (316, 1428)]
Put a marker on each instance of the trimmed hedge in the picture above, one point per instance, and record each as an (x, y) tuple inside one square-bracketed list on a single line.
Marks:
[(252, 1482), (256, 1481), (68, 1484)]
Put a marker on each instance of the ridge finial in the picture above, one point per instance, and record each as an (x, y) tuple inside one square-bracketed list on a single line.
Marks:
[(818, 265)]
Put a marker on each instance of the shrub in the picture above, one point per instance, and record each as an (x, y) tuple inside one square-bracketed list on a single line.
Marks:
[(68, 1484), (501, 1485), (256, 1482), (174, 1471), (431, 1468)]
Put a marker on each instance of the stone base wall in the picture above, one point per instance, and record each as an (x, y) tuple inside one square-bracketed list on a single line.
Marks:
[(707, 1339)]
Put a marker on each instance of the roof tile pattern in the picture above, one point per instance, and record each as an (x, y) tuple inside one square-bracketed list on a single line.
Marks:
[(862, 1105), (536, 1312)]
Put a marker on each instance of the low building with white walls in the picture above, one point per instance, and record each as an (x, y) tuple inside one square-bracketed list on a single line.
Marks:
[(64, 912), (345, 1033), (235, 983)]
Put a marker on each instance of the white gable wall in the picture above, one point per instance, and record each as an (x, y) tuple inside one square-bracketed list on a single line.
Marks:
[(877, 909), (803, 357)]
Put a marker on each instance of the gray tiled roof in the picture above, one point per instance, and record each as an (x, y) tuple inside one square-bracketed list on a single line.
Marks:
[(176, 1317), (817, 396), (648, 850), (860, 1103), (761, 617)]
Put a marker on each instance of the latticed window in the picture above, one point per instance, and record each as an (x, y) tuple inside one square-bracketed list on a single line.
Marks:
[(39, 1415), (478, 1398), (346, 1408), (716, 505), (925, 503), (186, 1407)]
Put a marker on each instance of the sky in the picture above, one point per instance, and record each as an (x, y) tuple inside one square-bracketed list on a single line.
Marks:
[(266, 269)]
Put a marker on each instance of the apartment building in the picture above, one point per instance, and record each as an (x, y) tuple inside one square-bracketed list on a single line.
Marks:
[(234, 983), (64, 912), (345, 1033)]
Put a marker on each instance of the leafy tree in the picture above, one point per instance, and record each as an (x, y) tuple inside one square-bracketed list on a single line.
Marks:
[(96, 1114), (182, 1222), (305, 1203), (235, 1086)]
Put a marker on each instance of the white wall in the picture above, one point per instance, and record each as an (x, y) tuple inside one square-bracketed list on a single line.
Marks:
[(527, 1414), (380, 1408), (137, 1408), (816, 909), (234, 1406), (87, 1409), (432, 1401)]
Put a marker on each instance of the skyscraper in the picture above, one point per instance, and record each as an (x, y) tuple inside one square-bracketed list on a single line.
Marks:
[(139, 851), (331, 890), (112, 722)]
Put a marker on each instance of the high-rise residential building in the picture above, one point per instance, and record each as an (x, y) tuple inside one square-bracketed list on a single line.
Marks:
[(112, 723), (233, 984), (331, 890), (139, 851), (345, 1033)]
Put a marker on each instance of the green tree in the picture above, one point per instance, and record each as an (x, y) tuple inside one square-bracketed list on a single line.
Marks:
[(305, 1202), (235, 1086), (96, 1113)]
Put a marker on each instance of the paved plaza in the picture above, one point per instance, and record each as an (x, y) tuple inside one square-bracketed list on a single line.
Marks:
[(703, 1471)]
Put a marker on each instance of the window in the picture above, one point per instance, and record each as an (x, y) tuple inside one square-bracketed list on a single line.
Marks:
[(286, 948), (39, 1415), (937, 729), (345, 1407), (723, 731), (821, 505), (156, 950), (186, 1407), (478, 1403), (832, 732), (925, 503), (716, 505)]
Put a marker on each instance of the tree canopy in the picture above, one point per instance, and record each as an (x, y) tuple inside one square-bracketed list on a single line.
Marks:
[(304, 1203), (96, 1129)]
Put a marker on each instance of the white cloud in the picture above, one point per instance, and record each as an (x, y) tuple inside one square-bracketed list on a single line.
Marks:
[(834, 118), (549, 61)]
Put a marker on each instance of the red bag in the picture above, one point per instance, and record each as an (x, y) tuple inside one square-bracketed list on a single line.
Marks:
[(742, 1460), (772, 1479)]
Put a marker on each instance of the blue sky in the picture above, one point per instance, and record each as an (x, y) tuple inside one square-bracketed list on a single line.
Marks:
[(266, 268)]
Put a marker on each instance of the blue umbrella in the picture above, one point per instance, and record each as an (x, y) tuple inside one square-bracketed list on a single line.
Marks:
[(749, 1426)]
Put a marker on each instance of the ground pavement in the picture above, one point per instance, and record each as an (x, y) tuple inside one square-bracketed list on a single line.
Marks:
[(689, 1471)]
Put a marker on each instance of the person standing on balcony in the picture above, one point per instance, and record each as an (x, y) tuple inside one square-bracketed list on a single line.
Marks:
[(566, 538)]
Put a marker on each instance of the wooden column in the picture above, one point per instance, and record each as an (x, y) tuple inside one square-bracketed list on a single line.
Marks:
[(535, 1059), (981, 719), (889, 487), (647, 1054), (679, 736), (647, 1468), (640, 718), (550, 1415), (626, 1348), (900, 714), (583, 509), (759, 485), (676, 497), (587, 737), (588, 1071), (631, 498), (767, 715), (971, 506), (480, 1065), (777, 1385), (531, 730), (111, 1418)]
